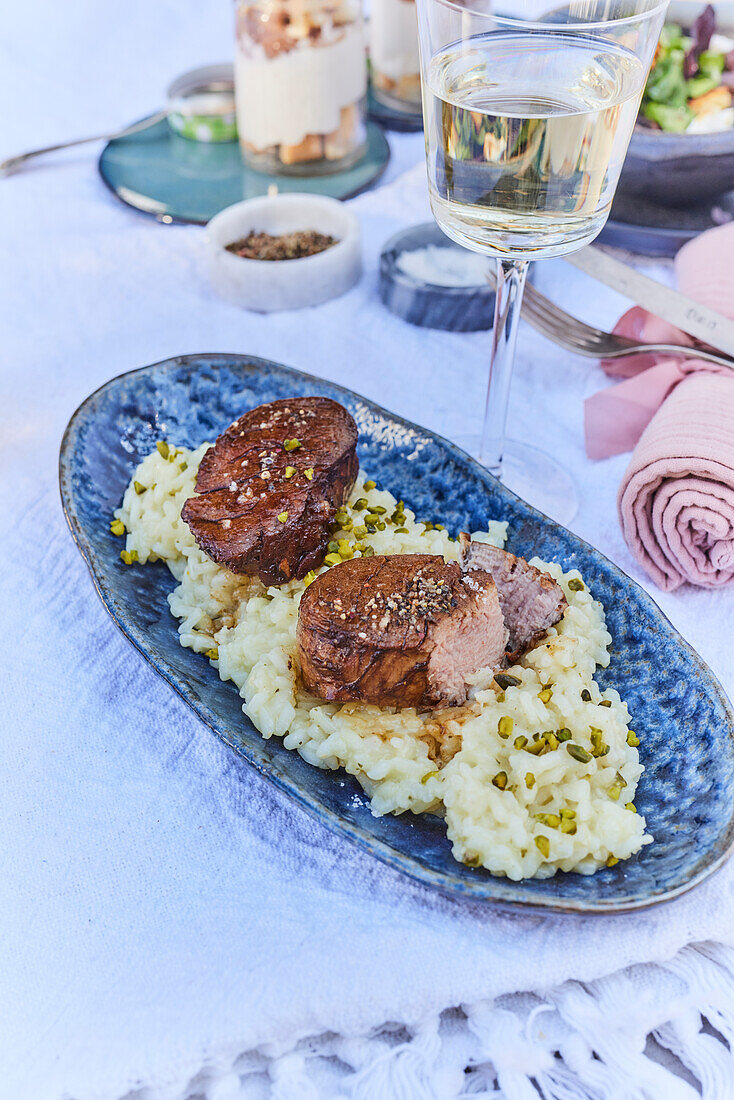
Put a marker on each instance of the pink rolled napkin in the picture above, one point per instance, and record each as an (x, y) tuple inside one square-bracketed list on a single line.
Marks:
[(676, 500)]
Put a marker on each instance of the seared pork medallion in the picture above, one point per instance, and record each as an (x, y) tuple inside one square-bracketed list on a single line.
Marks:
[(271, 485), (531, 601), (406, 630)]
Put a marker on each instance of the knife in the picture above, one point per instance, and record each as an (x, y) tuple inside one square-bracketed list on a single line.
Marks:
[(675, 308)]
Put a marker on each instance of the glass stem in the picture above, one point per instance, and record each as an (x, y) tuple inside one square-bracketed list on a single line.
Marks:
[(510, 285)]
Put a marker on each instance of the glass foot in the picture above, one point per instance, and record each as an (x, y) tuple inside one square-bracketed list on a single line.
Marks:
[(534, 476)]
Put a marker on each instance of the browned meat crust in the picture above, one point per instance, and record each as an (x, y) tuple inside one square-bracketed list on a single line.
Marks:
[(265, 504), (531, 601), (403, 631)]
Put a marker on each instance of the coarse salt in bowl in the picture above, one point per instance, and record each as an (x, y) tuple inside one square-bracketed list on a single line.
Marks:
[(269, 285)]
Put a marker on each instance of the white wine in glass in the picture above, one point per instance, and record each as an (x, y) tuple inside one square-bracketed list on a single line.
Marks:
[(527, 125)]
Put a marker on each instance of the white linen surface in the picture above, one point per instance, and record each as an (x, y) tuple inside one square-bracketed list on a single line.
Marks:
[(162, 909)]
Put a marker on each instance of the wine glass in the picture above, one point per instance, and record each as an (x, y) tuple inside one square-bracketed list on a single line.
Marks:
[(528, 115)]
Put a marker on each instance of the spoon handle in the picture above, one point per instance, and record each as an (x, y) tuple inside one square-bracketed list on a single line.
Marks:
[(12, 164)]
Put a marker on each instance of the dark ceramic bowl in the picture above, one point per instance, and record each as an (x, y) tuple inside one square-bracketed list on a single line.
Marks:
[(681, 714), (681, 169), (451, 308)]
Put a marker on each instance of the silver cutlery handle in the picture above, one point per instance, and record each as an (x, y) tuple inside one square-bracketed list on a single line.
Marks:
[(12, 164)]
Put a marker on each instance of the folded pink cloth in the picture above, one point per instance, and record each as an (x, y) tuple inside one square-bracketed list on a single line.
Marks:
[(676, 500)]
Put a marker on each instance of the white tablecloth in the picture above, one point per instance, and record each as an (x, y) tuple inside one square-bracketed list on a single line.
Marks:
[(170, 927)]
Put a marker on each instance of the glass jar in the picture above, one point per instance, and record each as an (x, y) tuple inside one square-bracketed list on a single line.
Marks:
[(300, 84), (396, 80)]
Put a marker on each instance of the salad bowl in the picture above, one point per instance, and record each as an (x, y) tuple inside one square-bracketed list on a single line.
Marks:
[(685, 169)]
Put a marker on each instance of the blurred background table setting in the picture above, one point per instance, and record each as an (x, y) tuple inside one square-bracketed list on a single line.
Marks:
[(173, 927)]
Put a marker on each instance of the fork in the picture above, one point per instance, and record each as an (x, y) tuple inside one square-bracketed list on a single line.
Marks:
[(575, 335)]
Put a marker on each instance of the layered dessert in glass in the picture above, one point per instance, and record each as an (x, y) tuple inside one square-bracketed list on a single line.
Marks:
[(300, 84), (394, 56)]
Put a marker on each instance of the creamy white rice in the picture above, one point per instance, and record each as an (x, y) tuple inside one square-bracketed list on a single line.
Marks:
[(452, 762)]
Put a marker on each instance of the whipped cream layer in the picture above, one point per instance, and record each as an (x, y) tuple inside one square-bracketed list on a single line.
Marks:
[(394, 38), (283, 99)]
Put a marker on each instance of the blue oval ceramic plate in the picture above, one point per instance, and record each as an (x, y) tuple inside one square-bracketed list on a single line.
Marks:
[(681, 714)]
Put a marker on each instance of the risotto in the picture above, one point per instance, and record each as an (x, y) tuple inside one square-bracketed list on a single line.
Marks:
[(536, 772)]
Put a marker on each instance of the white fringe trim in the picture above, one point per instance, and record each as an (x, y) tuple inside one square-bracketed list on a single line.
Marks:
[(652, 1032)]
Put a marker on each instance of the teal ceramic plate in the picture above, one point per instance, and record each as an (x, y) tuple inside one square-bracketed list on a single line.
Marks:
[(683, 718), (160, 173)]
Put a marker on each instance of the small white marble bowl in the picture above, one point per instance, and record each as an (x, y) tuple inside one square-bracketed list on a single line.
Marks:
[(268, 285)]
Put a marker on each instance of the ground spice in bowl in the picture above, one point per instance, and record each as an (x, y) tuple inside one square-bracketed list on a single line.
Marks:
[(286, 246)]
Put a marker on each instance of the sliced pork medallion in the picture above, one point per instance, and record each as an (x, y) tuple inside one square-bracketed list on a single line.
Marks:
[(531, 601), (270, 486), (405, 630)]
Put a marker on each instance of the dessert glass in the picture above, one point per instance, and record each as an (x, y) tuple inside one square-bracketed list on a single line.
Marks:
[(300, 84), (393, 40)]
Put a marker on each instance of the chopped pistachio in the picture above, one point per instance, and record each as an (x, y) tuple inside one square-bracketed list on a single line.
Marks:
[(506, 680), (212, 654), (545, 695), (370, 485), (117, 527), (162, 448), (361, 504), (332, 559), (368, 552), (139, 488), (520, 742), (428, 775), (183, 466), (568, 814), (308, 473), (615, 791), (536, 748), (378, 510), (632, 739), (500, 780), (371, 517), (333, 547), (563, 734), (129, 556), (289, 471), (542, 843), (568, 826), (472, 861), (401, 530), (577, 752), (612, 861), (292, 445), (282, 517), (605, 703), (309, 578), (504, 726), (551, 740), (360, 531), (439, 527), (576, 585), (529, 781), (586, 695), (381, 526), (551, 820)]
